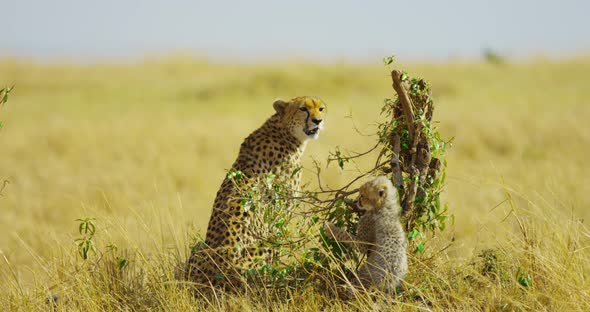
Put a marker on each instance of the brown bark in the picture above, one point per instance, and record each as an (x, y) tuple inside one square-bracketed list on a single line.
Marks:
[(414, 160)]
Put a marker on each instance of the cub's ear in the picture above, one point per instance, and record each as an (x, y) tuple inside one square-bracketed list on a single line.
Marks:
[(382, 192), (279, 106)]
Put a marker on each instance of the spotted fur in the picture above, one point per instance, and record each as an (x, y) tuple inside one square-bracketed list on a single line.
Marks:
[(275, 148), (380, 236)]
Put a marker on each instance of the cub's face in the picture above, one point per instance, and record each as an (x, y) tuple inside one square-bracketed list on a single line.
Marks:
[(378, 193), (303, 116)]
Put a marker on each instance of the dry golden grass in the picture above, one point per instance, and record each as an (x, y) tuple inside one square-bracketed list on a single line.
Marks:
[(143, 147)]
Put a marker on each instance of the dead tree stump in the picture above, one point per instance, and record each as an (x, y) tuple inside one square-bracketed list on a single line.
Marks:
[(412, 166)]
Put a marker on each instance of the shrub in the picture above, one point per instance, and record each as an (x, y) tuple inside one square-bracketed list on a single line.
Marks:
[(408, 149)]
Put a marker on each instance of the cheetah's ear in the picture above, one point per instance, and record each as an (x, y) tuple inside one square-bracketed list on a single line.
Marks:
[(279, 106), (382, 192)]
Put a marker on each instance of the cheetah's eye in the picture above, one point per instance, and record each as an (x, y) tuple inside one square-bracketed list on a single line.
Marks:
[(321, 109), (303, 109)]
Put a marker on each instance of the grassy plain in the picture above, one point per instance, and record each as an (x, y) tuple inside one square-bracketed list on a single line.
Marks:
[(143, 146)]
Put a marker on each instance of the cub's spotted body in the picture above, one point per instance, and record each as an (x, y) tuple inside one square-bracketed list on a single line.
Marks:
[(274, 148), (380, 236)]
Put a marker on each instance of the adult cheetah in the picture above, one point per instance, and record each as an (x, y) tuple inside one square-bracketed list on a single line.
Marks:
[(230, 246)]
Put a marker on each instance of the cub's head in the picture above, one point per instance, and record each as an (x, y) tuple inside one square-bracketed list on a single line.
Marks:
[(303, 116), (378, 193)]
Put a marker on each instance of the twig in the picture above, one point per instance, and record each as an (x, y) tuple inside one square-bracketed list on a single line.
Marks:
[(4, 183), (357, 155), (318, 170)]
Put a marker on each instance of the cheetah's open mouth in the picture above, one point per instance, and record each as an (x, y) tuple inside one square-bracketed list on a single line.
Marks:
[(311, 132)]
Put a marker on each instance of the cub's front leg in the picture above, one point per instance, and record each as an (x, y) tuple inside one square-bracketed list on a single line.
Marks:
[(362, 242)]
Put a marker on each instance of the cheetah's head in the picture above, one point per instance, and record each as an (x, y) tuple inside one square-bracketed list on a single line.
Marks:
[(303, 116), (378, 193)]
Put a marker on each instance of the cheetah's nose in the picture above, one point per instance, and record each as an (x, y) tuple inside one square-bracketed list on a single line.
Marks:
[(316, 121)]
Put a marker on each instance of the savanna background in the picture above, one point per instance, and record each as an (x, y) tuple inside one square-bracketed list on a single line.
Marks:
[(139, 136)]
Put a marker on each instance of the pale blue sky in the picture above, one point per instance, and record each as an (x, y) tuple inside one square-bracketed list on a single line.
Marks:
[(262, 30)]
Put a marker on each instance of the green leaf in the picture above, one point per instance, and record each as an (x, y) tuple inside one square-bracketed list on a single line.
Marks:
[(296, 170), (280, 223), (388, 60), (525, 281), (413, 234), (245, 204), (419, 248), (234, 174), (91, 228), (122, 263)]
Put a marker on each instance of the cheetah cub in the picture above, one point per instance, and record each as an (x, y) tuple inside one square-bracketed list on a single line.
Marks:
[(380, 236)]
